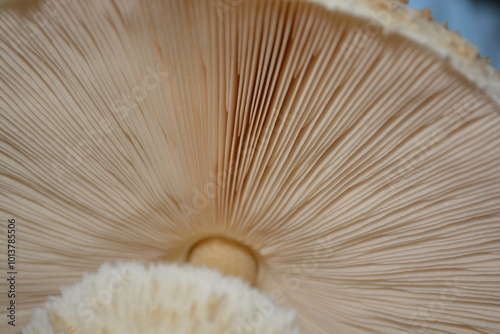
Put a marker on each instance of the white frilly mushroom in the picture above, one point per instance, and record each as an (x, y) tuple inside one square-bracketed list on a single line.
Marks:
[(130, 298)]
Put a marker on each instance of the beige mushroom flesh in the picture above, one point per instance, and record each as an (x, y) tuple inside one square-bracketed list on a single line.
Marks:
[(341, 157)]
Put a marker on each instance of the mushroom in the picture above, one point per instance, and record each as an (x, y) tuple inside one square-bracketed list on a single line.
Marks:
[(348, 150)]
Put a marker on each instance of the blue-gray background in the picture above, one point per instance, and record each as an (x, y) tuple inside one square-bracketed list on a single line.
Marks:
[(477, 20)]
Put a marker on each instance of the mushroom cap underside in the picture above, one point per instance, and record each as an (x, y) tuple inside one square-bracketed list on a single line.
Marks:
[(354, 147)]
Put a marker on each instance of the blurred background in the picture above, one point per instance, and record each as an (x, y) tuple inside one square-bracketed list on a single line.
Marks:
[(477, 20)]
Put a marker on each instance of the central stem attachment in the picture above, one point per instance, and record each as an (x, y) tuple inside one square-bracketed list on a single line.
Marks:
[(229, 257)]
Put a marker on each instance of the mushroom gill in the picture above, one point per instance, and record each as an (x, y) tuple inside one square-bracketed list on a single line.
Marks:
[(353, 147)]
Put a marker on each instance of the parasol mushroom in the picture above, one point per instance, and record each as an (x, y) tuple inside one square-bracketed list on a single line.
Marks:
[(350, 148)]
